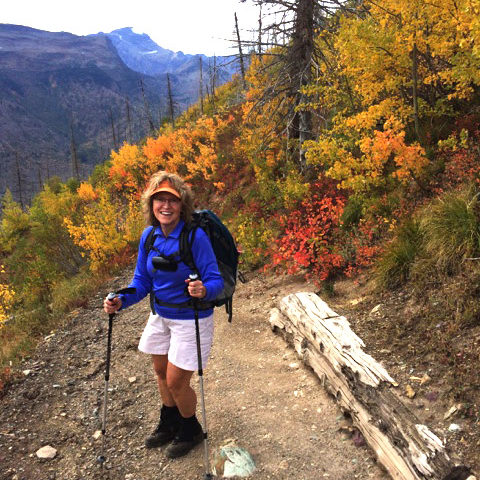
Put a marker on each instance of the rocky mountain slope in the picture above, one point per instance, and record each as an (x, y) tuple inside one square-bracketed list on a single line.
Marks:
[(53, 84), (59, 86)]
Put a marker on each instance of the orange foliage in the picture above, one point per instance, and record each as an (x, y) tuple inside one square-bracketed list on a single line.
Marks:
[(390, 144), (129, 170)]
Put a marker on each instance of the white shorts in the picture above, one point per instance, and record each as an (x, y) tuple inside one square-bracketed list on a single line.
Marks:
[(177, 338)]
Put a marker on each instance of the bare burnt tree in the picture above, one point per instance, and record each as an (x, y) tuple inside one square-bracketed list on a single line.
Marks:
[(415, 89), (240, 53), (39, 175), (200, 93), (112, 125), (73, 152), (213, 80), (19, 181), (47, 167), (148, 113), (129, 121), (171, 105), (291, 27), (260, 49)]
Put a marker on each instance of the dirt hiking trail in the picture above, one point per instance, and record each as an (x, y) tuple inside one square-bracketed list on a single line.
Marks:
[(257, 393)]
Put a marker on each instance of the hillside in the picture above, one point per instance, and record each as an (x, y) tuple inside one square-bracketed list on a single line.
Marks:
[(348, 156)]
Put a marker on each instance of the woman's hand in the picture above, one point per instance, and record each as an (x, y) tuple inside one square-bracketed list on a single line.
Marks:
[(196, 288), (111, 306)]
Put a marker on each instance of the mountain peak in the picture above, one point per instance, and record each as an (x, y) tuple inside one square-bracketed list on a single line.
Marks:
[(134, 48)]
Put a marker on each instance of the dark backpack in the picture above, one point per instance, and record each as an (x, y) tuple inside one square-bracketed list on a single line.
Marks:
[(225, 252)]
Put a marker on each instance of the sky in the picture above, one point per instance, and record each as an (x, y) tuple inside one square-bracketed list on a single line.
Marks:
[(190, 26)]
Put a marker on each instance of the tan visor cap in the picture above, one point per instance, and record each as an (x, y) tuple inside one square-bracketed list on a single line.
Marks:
[(166, 187)]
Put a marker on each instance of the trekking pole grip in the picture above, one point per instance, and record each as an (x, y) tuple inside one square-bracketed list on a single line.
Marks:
[(111, 316), (193, 277)]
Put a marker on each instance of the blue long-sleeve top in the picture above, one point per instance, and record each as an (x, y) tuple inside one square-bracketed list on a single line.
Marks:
[(169, 287)]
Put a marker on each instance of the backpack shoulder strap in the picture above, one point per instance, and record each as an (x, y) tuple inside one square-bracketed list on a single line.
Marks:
[(149, 240), (187, 237), (147, 246)]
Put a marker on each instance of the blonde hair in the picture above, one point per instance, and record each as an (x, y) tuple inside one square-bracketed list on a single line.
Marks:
[(178, 184)]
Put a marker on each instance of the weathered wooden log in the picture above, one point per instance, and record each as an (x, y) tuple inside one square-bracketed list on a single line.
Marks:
[(363, 389)]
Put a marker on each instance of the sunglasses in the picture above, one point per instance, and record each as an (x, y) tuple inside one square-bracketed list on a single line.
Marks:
[(167, 201)]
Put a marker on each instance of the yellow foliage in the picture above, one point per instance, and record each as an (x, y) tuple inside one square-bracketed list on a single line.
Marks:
[(7, 295), (410, 159), (100, 233), (376, 49), (14, 223), (134, 221), (361, 172), (159, 150), (254, 237)]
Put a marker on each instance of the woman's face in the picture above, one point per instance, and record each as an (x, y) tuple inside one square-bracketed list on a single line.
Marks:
[(167, 209)]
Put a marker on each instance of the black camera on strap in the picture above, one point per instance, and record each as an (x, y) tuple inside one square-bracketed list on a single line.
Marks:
[(165, 263)]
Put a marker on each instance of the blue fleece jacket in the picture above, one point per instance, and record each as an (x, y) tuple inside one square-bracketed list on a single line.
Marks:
[(170, 286)]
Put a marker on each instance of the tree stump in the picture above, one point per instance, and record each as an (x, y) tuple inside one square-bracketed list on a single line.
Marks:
[(363, 388)]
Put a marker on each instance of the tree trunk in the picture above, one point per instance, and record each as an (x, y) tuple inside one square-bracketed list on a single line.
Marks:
[(300, 62), (240, 54), (364, 389), (19, 182), (73, 151), (201, 86), (129, 121), (151, 125), (415, 91), (112, 125), (213, 77), (260, 31), (170, 101)]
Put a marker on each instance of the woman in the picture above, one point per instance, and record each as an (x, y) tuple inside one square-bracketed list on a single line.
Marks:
[(169, 335)]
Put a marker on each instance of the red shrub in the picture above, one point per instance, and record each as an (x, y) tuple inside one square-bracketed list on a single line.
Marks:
[(309, 234)]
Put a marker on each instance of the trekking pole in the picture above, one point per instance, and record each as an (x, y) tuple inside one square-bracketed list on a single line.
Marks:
[(208, 475), (101, 459)]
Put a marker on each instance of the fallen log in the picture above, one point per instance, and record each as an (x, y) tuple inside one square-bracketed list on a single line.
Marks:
[(363, 388)]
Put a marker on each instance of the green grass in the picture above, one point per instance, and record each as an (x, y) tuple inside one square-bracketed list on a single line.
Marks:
[(394, 265), (451, 230), (435, 243)]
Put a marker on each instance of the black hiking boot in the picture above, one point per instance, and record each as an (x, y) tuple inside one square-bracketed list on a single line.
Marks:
[(189, 435), (166, 429)]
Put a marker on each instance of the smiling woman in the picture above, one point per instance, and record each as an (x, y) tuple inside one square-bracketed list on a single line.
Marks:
[(165, 184), (178, 325)]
